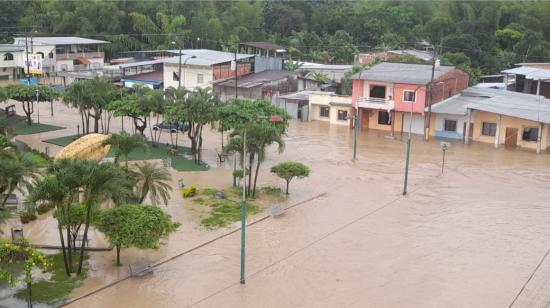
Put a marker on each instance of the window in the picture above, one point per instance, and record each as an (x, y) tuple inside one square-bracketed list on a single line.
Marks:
[(41, 54), (489, 129), (50, 55), (530, 134), (384, 117), (342, 115), (8, 56), (450, 93), (450, 126), (200, 78), (175, 76), (378, 91), (325, 111), (409, 96)]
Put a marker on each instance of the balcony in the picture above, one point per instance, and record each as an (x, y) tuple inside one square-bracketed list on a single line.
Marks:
[(74, 55), (375, 103)]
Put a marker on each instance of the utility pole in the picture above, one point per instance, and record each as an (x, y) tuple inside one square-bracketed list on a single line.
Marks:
[(236, 71), (28, 63), (430, 90), (243, 212)]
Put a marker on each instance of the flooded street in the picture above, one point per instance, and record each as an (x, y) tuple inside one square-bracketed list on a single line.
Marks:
[(471, 237)]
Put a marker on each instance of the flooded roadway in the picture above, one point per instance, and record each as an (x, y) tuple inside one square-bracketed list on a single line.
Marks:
[(471, 237)]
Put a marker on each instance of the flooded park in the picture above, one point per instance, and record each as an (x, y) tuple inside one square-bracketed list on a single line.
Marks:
[(476, 235)]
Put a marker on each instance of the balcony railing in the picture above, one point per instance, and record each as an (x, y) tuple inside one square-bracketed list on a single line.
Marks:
[(375, 103), (74, 55)]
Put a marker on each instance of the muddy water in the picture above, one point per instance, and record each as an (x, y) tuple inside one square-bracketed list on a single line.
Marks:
[(468, 238)]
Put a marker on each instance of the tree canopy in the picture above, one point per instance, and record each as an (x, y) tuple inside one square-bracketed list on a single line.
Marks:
[(289, 170)]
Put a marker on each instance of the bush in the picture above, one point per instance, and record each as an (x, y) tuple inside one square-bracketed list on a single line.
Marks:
[(238, 173), (272, 191), (209, 191), (27, 217), (44, 208), (189, 191)]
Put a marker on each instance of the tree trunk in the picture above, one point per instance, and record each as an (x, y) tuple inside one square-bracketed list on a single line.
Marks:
[(118, 255), (256, 178), (199, 148), (29, 293), (82, 118), (287, 182), (84, 238), (250, 162), (141, 128), (143, 195), (28, 108), (67, 270), (69, 248)]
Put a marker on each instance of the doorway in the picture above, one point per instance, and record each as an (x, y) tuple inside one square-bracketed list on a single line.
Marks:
[(511, 137)]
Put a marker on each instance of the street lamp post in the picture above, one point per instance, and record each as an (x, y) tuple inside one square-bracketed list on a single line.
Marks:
[(273, 119), (37, 92)]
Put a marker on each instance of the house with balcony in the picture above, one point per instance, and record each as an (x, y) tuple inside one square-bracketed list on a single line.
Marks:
[(393, 96), (65, 53)]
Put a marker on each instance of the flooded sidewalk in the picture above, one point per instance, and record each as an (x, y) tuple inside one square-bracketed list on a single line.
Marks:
[(471, 237)]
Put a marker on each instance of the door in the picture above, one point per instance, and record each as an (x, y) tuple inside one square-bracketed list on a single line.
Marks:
[(417, 126), (471, 134), (511, 137), (364, 118)]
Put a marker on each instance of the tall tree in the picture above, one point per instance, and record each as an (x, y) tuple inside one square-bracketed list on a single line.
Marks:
[(28, 94), (124, 143), (152, 181)]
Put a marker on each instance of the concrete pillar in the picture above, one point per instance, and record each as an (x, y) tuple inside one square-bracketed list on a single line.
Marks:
[(539, 136), (497, 133), (538, 87), (505, 82), (467, 132)]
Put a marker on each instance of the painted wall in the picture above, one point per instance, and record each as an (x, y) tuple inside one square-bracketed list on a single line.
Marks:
[(316, 101), (439, 125), (520, 124), (189, 78), (401, 105)]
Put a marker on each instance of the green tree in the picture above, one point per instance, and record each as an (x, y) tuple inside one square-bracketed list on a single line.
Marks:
[(136, 105), (27, 95), (153, 181), (16, 173), (198, 108), (290, 170), (124, 143), (140, 226)]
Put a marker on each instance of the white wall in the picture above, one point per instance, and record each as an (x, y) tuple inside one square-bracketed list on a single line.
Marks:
[(189, 78), (440, 125), (417, 124)]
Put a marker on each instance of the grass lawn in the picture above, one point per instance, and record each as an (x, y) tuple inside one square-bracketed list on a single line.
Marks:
[(62, 141), (59, 287), (37, 159), (21, 128)]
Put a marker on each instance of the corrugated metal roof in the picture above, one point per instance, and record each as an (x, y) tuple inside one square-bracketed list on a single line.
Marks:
[(402, 73), (256, 79), (58, 40), (513, 104), (529, 72), (204, 57), (265, 45), (302, 95)]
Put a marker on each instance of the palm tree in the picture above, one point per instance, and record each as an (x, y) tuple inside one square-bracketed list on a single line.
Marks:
[(152, 181), (125, 143), (101, 182), (16, 173)]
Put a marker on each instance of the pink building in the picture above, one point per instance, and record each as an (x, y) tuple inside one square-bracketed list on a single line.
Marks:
[(385, 94)]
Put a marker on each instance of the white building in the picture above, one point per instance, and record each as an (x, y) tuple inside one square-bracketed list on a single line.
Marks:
[(64, 53), (11, 62), (200, 67), (329, 107)]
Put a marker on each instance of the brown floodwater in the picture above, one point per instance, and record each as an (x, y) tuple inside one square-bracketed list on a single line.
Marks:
[(471, 237)]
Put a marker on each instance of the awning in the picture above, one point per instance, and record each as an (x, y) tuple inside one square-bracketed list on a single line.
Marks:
[(83, 60)]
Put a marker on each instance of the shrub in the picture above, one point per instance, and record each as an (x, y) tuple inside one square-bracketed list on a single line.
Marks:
[(44, 208), (209, 191), (27, 217), (238, 173), (272, 191), (189, 191)]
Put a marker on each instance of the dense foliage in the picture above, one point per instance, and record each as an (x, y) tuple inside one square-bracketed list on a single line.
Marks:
[(289, 170), (492, 34)]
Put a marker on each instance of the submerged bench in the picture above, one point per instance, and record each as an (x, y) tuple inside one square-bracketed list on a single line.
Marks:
[(140, 271), (12, 199)]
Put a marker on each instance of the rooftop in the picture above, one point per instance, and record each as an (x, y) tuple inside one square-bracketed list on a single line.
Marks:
[(302, 95), (265, 45), (420, 54), (58, 40), (310, 65), (151, 76), (402, 73), (530, 72), (509, 103), (256, 79), (204, 57), (10, 48)]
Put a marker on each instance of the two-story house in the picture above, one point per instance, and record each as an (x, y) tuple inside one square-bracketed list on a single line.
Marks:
[(11, 62), (386, 95), (65, 53)]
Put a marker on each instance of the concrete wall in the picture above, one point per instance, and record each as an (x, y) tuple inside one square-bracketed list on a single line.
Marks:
[(189, 76), (520, 124), (262, 63), (401, 105), (440, 125), (316, 101)]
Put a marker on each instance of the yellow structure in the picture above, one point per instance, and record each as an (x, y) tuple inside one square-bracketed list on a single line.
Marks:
[(329, 107), (86, 147)]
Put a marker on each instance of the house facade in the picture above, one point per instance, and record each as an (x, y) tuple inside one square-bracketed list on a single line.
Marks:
[(201, 67), (531, 78), (498, 117), (65, 54), (269, 84), (393, 96), (11, 62), (329, 107)]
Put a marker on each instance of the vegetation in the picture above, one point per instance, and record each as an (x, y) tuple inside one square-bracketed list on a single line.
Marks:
[(125, 143), (252, 117), (290, 170), (152, 181), (140, 226), (16, 173), (189, 191), (27, 95)]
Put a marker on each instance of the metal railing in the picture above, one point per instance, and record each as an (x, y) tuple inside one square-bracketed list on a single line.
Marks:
[(375, 102), (74, 55)]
